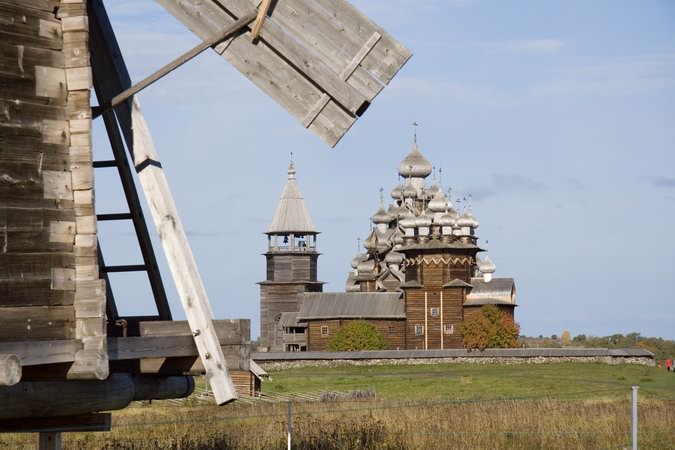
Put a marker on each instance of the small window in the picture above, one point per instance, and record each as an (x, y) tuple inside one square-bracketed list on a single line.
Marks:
[(449, 328), (324, 330), (392, 330), (434, 312), (419, 330)]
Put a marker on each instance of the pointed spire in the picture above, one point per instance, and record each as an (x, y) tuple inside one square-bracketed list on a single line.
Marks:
[(292, 215), (415, 124), (291, 169)]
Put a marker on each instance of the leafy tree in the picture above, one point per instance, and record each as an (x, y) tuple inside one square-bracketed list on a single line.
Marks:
[(358, 335), (566, 337), (490, 329), (580, 339)]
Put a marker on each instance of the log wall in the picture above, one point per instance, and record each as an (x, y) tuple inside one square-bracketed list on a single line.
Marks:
[(49, 282), (431, 305), (319, 342)]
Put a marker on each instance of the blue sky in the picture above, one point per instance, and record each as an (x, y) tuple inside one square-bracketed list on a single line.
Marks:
[(557, 116)]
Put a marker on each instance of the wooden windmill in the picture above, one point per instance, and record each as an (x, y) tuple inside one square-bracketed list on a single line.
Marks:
[(322, 60)]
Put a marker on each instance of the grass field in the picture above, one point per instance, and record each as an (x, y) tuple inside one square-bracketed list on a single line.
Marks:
[(471, 381), (551, 406)]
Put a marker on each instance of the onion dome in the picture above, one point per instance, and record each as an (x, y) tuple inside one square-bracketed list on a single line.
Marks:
[(423, 220), (371, 241), (486, 265), (415, 165), (474, 221), (358, 259), (382, 216), (366, 266), (397, 192), (394, 257), (407, 220), (439, 203), (409, 191), (395, 210), (433, 190), (446, 220), (466, 220)]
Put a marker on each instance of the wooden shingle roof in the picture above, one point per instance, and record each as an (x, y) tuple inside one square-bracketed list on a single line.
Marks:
[(292, 215), (352, 305)]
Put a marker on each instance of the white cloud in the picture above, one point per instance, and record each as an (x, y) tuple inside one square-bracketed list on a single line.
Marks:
[(616, 77), (423, 88), (527, 46)]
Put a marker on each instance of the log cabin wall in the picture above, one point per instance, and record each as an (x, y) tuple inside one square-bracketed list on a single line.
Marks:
[(434, 312), (289, 275), (49, 282), (243, 382), (393, 330)]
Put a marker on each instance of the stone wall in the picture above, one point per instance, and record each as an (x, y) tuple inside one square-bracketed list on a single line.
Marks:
[(283, 365)]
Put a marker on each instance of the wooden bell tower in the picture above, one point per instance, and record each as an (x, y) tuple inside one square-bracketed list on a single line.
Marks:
[(291, 262)]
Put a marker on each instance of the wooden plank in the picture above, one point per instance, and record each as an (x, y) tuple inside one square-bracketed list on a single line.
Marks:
[(50, 440), (42, 5), (310, 33), (34, 323), (10, 369), (308, 64), (32, 266), (23, 26), (33, 353), (237, 352), (226, 330), (138, 347), (33, 293), (262, 65)]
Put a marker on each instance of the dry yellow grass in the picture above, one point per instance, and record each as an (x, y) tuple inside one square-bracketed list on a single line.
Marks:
[(523, 424)]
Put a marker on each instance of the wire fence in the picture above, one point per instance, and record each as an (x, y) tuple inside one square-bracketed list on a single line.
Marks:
[(344, 403)]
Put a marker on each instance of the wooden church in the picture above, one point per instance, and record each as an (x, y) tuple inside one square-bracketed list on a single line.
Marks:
[(419, 278)]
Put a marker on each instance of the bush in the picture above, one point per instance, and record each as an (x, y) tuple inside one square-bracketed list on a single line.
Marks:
[(359, 335), (490, 329)]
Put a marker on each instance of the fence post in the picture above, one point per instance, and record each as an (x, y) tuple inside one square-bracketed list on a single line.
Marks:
[(634, 421), (289, 425)]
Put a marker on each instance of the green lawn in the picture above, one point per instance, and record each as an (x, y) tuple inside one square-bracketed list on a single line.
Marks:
[(477, 381)]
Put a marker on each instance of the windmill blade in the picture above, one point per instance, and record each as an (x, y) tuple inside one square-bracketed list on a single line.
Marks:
[(322, 60)]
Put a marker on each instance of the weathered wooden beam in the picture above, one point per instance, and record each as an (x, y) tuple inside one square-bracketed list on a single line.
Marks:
[(50, 440), (84, 422), (140, 347), (33, 353), (10, 370), (34, 323), (164, 212), (234, 337), (69, 397)]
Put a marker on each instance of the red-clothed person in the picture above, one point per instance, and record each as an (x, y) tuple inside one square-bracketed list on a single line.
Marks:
[(669, 364)]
